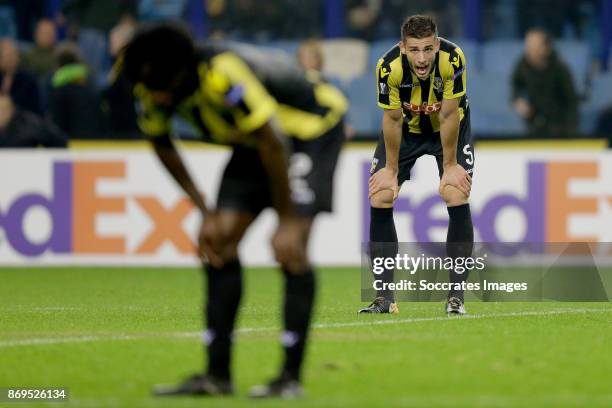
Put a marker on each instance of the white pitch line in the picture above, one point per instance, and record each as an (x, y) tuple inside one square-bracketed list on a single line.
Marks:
[(363, 322)]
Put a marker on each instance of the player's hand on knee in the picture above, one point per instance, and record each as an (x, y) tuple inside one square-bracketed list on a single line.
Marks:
[(383, 179), (209, 241), (457, 177), (287, 244)]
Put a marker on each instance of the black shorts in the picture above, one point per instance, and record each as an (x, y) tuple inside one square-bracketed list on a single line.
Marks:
[(414, 146), (245, 185)]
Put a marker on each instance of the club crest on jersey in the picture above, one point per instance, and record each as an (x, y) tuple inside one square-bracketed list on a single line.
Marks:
[(383, 88), (438, 84)]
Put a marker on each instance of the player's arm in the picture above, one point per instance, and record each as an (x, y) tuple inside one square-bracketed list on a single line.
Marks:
[(454, 88), (166, 152), (386, 178), (253, 109), (208, 239), (274, 154), (155, 123), (449, 131), (393, 117), (454, 174), (392, 133), (519, 101)]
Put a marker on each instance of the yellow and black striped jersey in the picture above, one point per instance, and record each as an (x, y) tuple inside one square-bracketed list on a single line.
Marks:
[(420, 100), (240, 89)]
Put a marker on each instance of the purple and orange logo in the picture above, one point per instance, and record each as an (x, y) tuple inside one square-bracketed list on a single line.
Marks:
[(74, 205), (546, 206)]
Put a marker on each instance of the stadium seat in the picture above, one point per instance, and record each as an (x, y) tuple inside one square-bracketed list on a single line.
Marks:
[(491, 110), (184, 129), (345, 58), (8, 28), (167, 10), (577, 55), (92, 44), (363, 110), (500, 56), (337, 82), (471, 51), (599, 98), (290, 47), (378, 49), (601, 91)]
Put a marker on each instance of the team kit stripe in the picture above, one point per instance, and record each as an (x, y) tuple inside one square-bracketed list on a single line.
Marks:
[(420, 99)]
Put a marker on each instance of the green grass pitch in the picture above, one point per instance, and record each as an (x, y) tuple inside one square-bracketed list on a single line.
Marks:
[(109, 334)]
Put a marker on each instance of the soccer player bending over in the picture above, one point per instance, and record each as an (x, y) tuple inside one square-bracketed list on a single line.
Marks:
[(422, 89), (250, 101)]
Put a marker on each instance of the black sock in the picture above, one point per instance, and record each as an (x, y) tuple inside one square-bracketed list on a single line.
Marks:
[(383, 243), (223, 298), (459, 241), (299, 299)]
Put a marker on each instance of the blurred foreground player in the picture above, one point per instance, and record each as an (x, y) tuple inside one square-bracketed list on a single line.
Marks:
[(250, 101), (422, 89)]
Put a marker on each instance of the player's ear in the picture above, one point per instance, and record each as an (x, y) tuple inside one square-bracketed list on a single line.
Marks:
[(402, 46), (437, 46)]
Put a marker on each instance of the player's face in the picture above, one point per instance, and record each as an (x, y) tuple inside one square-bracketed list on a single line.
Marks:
[(175, 92), (421, 53)]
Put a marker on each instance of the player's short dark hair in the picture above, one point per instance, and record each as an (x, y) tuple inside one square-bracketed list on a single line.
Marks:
[(157, 54), (418, 26)]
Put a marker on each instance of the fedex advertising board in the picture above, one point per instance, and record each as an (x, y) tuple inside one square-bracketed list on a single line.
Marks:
[(121, 207)]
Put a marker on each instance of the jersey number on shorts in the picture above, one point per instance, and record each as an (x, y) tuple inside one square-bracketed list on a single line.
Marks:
[(300, 166), (469, 155)]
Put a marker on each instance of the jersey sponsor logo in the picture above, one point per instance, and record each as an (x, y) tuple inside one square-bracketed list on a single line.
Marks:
[(411, 85), (423, 108), (383, 88)]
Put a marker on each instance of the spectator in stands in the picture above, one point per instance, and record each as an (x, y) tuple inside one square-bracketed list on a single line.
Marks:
[(155, 10), (310, 55), (97, 15), (20, 128), (26, 14), (15, 81), (363, 18), (543, 89), (40, 59), (74, 105), (118, 105)]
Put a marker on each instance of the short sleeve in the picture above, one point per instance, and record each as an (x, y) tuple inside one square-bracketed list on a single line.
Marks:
[(387, 86), (234, 86), (152, 120), (455, 80)]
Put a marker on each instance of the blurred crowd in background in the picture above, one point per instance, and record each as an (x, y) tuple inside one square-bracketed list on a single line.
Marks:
[(536, 68)]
